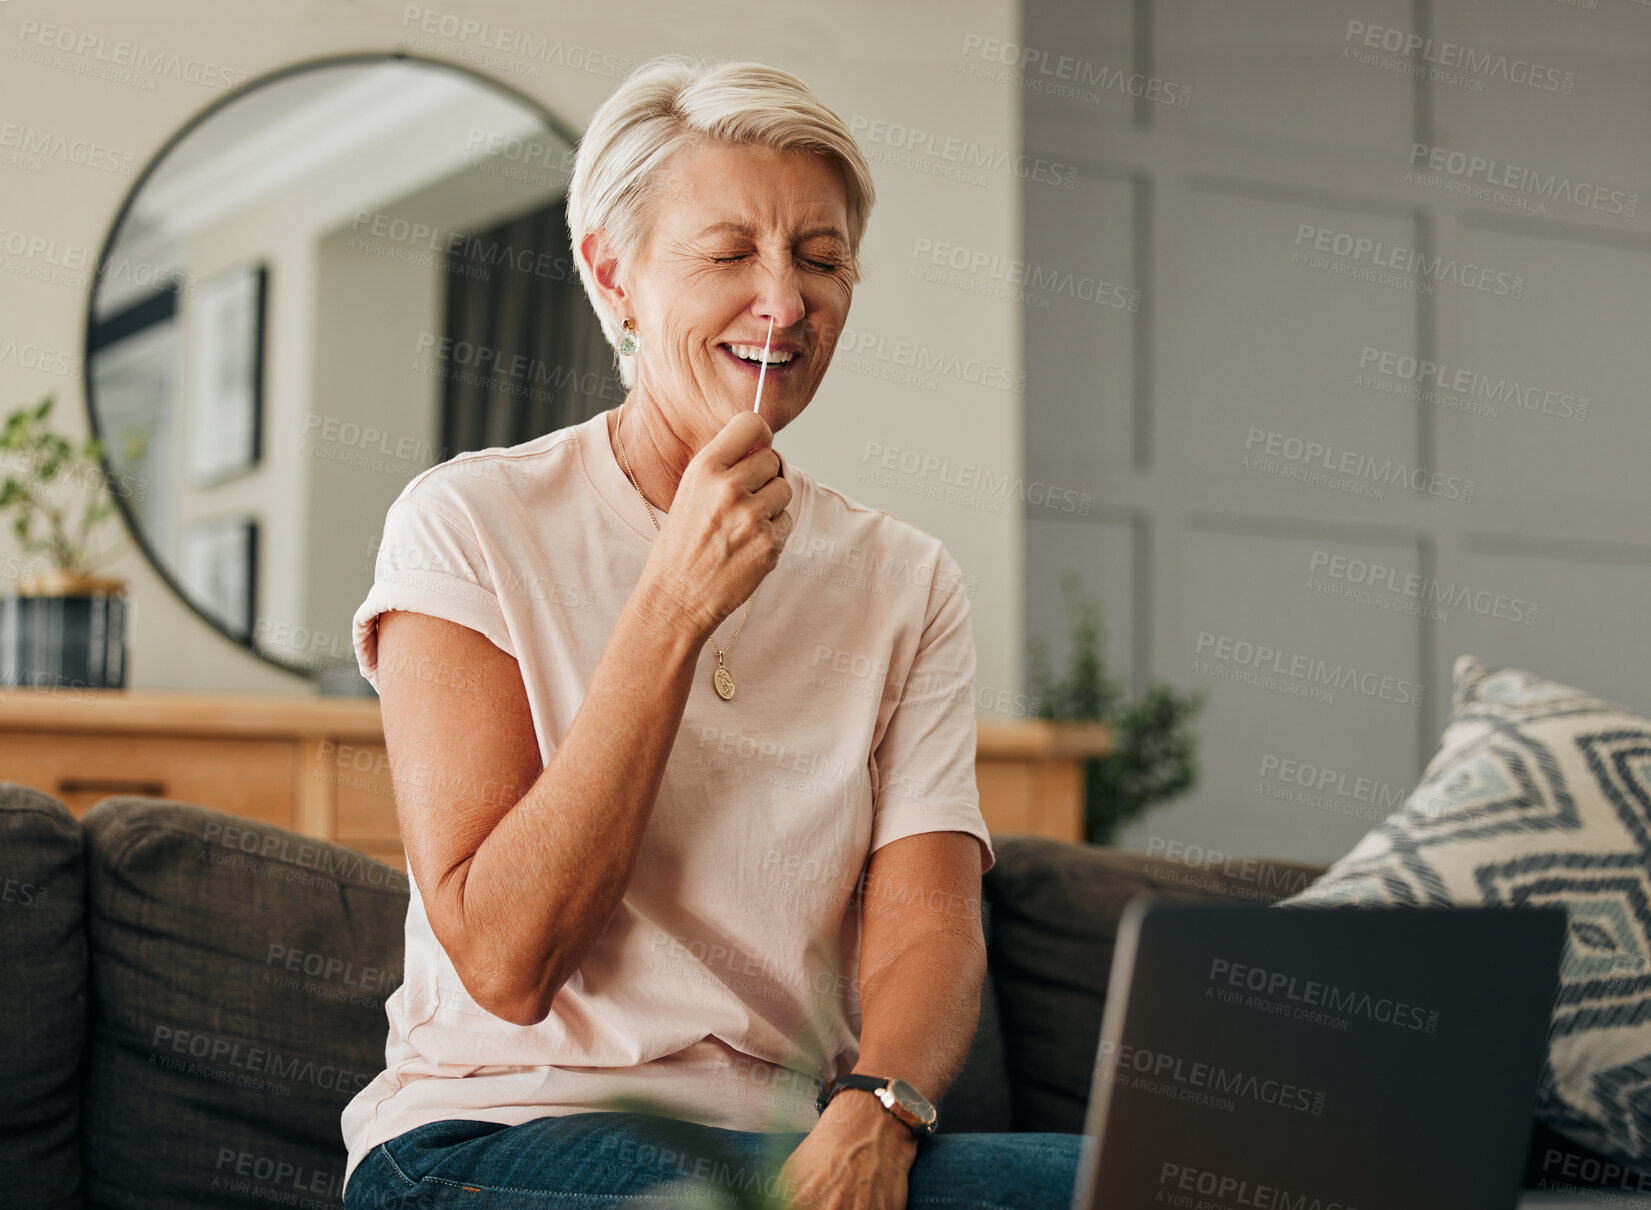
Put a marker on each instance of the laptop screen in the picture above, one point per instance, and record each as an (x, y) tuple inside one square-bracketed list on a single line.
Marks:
[(1319, 1058)]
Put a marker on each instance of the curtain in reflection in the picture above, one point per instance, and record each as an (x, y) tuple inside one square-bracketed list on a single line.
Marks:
[(526, 353)]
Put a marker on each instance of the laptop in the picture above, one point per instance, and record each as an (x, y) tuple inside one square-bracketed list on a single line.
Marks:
[(1335, 1058)]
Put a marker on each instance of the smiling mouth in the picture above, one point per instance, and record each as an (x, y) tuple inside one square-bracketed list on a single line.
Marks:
[(750, 356)]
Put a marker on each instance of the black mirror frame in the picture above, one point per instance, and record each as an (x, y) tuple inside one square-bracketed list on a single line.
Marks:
[(121, 492)]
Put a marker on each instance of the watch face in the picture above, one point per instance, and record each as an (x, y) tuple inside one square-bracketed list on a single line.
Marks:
[(912, 1099)]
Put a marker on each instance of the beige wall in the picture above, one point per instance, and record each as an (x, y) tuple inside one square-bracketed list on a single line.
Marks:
[(80, 137)]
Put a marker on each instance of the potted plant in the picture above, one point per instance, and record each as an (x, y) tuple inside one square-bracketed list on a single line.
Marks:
[(1155, 752), (65, 626)]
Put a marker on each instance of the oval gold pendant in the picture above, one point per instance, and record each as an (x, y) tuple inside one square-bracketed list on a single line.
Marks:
[(724, 681)]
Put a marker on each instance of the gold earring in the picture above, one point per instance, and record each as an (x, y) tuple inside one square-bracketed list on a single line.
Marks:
[(628, 339)]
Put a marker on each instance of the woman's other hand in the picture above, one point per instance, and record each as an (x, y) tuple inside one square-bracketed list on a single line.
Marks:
[(857, 1157), (727, 525)]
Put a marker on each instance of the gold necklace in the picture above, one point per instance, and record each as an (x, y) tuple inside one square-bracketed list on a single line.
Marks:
[(721, 678)]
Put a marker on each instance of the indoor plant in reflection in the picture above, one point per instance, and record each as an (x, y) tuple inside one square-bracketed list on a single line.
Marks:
[(64, 626), (1154, 755)]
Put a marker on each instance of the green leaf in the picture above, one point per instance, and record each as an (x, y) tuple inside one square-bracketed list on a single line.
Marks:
[(1154, 756)]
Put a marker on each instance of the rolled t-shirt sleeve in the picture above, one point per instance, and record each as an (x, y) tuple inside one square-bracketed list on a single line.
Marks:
[(926, 758), (427, 562)]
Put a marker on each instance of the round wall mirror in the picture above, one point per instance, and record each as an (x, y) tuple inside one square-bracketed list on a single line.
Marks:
[(330, 280)]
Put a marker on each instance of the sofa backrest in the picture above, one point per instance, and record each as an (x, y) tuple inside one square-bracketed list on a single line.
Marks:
[(238, 978), (42, 1000), (1055, 909), (238, 973)]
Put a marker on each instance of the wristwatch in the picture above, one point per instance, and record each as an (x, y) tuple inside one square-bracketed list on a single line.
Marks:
[(898, 1097)]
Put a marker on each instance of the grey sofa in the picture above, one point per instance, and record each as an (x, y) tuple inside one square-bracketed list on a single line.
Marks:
[(188, 999)]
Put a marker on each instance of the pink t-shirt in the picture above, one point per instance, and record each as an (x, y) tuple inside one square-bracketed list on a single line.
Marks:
[(727, 976)]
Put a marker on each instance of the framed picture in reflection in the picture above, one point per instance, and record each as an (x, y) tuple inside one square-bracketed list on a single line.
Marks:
[(225, 337), (219, 569)]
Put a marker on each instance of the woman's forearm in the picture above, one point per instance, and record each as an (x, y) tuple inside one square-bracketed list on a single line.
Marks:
[(918, 1014), (545, 882)]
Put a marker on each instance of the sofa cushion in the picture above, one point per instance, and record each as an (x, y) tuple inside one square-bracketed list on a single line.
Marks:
[(1540, 795), (239, 974), (1055, 910), (43, 1006)]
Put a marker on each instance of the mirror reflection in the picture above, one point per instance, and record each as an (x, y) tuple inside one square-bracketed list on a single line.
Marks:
[(319, 289)]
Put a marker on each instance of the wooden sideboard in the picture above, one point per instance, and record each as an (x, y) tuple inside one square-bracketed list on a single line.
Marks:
[(318, 765)]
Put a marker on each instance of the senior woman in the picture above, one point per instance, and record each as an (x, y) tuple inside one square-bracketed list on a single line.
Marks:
[(682, 739)]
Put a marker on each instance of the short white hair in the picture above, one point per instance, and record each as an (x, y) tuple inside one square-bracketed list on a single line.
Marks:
[(672, 101)]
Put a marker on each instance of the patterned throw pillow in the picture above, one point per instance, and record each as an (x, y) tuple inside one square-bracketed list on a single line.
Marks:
[(1540, 795)]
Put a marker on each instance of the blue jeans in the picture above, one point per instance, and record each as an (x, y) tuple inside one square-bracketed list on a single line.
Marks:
[(606, 1159)]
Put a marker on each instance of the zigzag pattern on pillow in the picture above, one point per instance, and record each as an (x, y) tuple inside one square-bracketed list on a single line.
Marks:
[(1540, 795)]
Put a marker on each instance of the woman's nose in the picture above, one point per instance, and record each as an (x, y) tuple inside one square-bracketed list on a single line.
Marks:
[(780, 298)]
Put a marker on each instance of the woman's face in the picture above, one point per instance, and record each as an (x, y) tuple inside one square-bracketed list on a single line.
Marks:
[(739, 234)]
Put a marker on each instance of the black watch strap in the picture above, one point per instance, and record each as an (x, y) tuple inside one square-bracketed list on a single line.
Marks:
[(872, 1084), (851, 1080)]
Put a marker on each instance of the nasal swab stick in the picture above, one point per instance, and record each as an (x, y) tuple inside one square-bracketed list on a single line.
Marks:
[(763, 373)]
